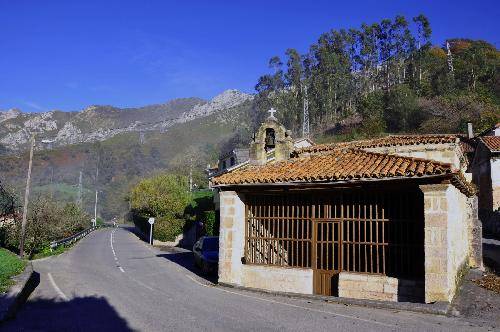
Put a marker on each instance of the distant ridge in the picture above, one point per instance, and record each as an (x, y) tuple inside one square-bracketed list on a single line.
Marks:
[(99, 122)]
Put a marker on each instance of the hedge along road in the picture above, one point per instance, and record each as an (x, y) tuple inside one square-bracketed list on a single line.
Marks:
[(111, 280)]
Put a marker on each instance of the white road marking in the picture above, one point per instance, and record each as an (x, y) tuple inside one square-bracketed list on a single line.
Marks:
[(114, 253), (56, 288), (291, 305)]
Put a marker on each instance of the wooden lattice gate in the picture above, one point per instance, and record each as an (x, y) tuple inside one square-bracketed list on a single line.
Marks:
[(366, 231), (327, 256)]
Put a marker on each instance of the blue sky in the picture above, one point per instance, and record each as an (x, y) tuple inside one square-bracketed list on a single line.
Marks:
[(67, 54)]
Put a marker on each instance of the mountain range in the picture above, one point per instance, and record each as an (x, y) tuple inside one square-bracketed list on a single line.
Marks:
[(98, 123), (126, 144)]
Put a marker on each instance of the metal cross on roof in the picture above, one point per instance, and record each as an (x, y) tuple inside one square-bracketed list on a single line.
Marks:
[(272, 111)]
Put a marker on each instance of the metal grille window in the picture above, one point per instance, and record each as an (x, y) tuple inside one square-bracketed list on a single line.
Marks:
[(364, 231), (278, 231)]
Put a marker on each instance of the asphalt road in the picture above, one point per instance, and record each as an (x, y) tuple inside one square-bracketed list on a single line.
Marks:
[(113, 281)]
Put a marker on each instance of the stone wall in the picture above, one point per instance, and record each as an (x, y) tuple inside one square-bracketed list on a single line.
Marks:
[(280, 279), (446, 152), (379, 287), (459, 215), (231, 237), (475, 234), (447, 225), (495, 181)]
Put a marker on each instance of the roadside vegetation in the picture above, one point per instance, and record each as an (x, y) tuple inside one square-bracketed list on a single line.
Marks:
[(10, 265), (47, 221), (167, 198)]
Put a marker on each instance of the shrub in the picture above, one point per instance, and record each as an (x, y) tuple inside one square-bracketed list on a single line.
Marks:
[(167, 229), (161, 195), (46, 222), (211, 227)]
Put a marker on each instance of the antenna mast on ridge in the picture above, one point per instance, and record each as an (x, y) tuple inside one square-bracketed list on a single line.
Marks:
[(305, 121), (449, 57)]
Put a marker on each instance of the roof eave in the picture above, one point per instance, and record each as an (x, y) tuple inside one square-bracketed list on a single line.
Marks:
[(340, 182)]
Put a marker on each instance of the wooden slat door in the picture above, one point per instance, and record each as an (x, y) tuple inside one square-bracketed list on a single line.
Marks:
[(326, 256)]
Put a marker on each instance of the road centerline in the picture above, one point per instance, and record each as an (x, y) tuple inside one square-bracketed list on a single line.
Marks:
[(111, 239)]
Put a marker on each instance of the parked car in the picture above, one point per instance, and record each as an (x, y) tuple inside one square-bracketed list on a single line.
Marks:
[(206, 254)]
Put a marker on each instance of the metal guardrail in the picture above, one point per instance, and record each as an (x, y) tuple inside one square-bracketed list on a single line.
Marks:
[(73, 238)]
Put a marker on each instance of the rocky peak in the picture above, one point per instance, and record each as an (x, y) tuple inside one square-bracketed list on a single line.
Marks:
[(223, 101), (9, 114), (100, 122)]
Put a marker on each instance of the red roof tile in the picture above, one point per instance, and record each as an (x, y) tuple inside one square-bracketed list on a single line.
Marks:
[(492, 143), (338, 165), (393, 140)]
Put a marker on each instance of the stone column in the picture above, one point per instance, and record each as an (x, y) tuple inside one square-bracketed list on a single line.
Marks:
[(231, 238), (436, 242), (475, 234)]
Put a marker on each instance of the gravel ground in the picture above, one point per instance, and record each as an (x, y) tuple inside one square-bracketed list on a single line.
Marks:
[(476, 303)]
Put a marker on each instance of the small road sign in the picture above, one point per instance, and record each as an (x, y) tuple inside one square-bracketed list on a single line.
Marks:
[(151, 221)]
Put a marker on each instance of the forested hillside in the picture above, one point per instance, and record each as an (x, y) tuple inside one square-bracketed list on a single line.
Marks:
[(124, 160), (384, 77)]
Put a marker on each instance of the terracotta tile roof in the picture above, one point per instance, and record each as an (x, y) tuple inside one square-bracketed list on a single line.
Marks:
[(492, 143), (467, 146), (338, 165), (392, 140)]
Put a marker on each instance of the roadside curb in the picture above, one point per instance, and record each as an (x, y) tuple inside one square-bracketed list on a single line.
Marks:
[(438, 308), (12, 301)]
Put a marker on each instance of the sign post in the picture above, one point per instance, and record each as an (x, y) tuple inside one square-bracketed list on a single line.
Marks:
[(151, 222)]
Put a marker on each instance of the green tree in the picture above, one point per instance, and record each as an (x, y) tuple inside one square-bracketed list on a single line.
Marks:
[(163, 195)]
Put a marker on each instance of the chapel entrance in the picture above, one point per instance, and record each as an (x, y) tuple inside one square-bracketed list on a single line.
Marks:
[(326, 256), (363, 230)]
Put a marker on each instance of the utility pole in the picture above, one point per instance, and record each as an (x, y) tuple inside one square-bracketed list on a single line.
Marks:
[(449, 57), (26, 199), (79, 198), (191, 175), (96, 188), (51, 182), (305, 122)]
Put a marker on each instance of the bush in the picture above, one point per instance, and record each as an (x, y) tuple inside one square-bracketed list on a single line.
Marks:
[(165, 228), (161, 195), (46, 222), (211, 227)]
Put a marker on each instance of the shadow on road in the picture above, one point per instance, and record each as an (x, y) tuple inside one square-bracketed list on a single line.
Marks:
[(78, 314), (179, 256), (186, 260)]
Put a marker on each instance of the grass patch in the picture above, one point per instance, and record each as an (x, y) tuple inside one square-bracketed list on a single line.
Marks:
[(47, 252), (10, 265)]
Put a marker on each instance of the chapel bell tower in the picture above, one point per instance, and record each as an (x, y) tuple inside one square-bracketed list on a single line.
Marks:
[(272, 139)]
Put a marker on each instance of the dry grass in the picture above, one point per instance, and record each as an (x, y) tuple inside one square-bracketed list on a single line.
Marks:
[(490, 282)]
